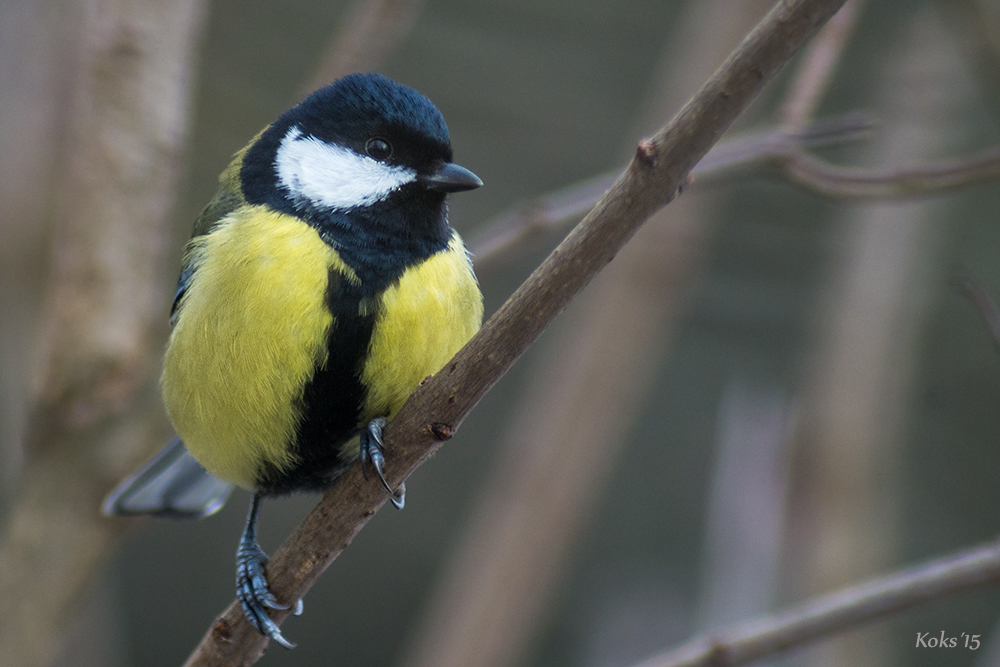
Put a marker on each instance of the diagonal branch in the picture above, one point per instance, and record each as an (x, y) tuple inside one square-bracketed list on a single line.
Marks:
[(439, 406)]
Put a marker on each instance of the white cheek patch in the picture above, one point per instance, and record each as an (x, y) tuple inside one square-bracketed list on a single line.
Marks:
[(334, 177)]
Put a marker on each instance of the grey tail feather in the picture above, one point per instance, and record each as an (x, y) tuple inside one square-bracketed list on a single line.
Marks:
[(171, 484)]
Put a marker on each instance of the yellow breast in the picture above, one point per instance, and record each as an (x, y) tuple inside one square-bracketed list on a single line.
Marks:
[(426, 317), (251, 328)]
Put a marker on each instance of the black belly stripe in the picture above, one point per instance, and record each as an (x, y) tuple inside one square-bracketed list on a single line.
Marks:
[(331, 402), (332, 399)]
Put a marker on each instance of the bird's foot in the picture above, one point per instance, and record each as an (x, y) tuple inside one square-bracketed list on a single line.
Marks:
[(254, 594), (371, 452)]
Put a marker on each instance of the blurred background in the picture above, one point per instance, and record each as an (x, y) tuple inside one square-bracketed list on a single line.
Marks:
[(769, 394)]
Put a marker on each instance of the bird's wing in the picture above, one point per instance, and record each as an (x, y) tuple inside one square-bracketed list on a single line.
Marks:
[(227, 199), (182, 284), (171, 484)]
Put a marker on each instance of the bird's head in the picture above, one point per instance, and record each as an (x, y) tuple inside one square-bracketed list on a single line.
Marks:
[(362, 142)]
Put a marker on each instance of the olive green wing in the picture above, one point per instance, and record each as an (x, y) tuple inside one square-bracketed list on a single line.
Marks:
[(227, 199)]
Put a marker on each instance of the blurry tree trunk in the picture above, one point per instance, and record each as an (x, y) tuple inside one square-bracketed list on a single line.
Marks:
[(856, 401), (571, 426), (94, 408), (33, 51)]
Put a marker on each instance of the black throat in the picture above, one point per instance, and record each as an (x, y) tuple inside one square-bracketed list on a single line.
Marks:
[(379, 242)]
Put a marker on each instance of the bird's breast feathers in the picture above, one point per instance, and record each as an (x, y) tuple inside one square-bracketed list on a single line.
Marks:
[(424, 319), (254, 326)]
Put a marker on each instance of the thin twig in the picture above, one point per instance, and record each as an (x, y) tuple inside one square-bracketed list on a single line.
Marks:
[(784, 146), (977, 25), (435, 411), (829, 180), (821, 177), (551, 212), (813, 75), (847, 608), (371, 30)]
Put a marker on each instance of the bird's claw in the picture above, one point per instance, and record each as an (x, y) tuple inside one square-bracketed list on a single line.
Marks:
[(254, 594), (371, 452)]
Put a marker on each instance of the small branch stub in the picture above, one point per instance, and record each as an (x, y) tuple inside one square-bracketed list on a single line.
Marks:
[(685, 184), (442, 431), (645, 153), (221, 630), (719, 654)]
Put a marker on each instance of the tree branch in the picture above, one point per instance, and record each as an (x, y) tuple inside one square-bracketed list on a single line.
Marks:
[(783, 148), (371, 30), (816, 68), (839, 611), (829, 180), (552, 211), (438, 407)]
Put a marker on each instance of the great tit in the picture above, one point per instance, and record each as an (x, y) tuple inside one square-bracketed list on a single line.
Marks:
[(321, 284)]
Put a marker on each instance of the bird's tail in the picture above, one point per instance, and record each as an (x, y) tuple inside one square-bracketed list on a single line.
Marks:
[(171, 484)]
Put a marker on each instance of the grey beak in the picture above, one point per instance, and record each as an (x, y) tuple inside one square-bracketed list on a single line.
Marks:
[(451, 177)]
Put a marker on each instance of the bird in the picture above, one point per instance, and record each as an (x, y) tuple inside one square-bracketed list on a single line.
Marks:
[(321, 284)]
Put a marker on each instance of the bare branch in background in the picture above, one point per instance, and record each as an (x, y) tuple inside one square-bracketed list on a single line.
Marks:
[(34, 45), (751, 473), (845, 609), (555, 210), (438, 407), (860, 378), (784, 147), (779, 148), (829, 180), (819, 62), (370, 32), (978, 30)]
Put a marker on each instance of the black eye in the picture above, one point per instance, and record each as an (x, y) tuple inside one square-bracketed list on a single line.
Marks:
[(378, 148)]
